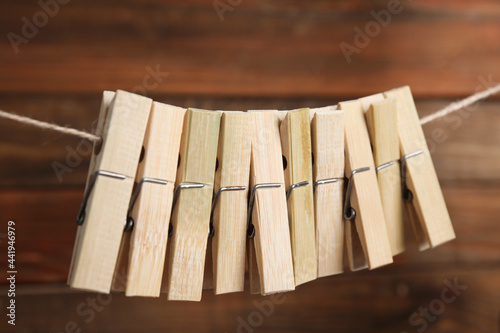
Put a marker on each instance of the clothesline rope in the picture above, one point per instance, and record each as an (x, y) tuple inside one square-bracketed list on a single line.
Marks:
[(453, 107), (49, 126)]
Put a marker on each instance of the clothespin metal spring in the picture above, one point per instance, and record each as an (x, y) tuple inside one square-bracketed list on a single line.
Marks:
[(250, 226), (176, 196), (211, 232), (129, 224), (385, 165), (407, 195), (294, 186), (349, 212), (81, 213), (325, 181)]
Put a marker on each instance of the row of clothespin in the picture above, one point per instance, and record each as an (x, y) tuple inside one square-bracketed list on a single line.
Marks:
[(180, 200)]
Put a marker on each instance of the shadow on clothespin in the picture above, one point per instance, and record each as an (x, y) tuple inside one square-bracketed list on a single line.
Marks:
[(327, 129), (295, 131), (269, 251), (381, 118), (225, 263), (366, 232), (139, 269), (421, 191), (192, 205), (122, 125)]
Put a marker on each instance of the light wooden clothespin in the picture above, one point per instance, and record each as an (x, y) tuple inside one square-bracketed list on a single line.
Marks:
[(381, 118), (327, 129), (192, 205), (112, 171), (269, 250), (421, 190), (230, 205), (142, 253), (107, 98), (366, 231), (295, 131)]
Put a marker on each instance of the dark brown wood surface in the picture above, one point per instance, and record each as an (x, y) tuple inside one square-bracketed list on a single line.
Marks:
[(262, 48), (264, 54)]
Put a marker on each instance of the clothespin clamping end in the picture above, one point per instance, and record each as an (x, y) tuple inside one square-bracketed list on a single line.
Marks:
[(192, 205), (228, 224), (421, 191), (381, 117), (269, 249), (327, 129), (122, 125), (366, 232), (295, 133), (139, 269)]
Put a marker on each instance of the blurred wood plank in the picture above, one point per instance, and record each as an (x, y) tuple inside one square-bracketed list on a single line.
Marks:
[(294, 7), (45, 222), (330, 304), (263, 55), (464, 146), (260, 49)]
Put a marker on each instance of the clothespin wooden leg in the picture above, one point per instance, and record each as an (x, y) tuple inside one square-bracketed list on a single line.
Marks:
[(295, 132), (230, 204), (192, 205), (421, 188), (363, 206), (104, 208), (253, 268), (269, 233), (381, 118), (327, 128), (107, 98), (142, 252)]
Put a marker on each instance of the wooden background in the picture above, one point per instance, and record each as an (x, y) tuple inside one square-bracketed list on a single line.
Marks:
[(264, 54)]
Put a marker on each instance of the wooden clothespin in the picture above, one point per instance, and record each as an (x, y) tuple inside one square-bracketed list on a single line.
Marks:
[(269, 250), (381, 118), (421, 191), (139, 269), (366, 232), (230, 205), (295, 131), (192, 205), (107, 98), (112, 172), (327, 129)]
